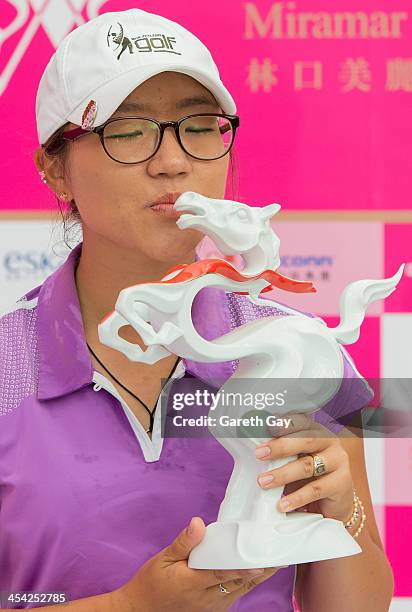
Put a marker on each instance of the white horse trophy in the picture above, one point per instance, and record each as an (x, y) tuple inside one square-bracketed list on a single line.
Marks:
[(250, 531)]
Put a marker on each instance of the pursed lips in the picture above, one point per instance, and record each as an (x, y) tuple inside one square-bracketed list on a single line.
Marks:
[(166, 199), (164, 205)]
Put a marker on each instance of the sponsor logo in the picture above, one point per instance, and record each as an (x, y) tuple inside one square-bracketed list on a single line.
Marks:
[(306, 260), (145, 43), (308, 267), (285, 20), (20, 265)]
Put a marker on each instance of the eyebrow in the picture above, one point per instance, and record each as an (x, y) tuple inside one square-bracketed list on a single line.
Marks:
[(127, 107)]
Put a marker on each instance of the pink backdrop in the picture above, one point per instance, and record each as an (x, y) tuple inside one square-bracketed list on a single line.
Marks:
[(324, 92), (325, 120)]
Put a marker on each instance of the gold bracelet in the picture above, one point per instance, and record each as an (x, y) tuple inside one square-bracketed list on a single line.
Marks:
[(355, 512), (363, 519), (358, 510)]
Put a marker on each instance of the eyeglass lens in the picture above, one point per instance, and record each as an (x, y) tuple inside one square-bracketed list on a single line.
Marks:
[(133, 140)]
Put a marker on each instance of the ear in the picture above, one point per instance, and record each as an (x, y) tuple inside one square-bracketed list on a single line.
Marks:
[(53, 168), (270, 210)]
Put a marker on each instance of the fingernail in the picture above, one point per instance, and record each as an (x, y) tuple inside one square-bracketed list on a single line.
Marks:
[(191, 527), (261, 452), (284, 505), (263, 480), (255, 572)]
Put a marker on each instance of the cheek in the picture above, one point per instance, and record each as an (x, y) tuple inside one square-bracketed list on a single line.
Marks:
[(213, 178), (103, 189)]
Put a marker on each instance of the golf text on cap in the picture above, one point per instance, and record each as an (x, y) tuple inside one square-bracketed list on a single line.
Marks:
[(146, 43)]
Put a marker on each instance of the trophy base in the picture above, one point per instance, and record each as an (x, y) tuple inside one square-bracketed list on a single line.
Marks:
[(298, 537)]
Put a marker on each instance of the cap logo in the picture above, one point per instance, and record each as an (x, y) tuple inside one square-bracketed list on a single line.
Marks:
[(145, 43), (89, 115)]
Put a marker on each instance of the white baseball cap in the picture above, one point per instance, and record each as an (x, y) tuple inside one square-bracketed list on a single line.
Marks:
[(97, 65)]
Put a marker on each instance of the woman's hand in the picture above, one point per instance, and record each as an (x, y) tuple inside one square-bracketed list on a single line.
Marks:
[(331, 494), (165, 582)]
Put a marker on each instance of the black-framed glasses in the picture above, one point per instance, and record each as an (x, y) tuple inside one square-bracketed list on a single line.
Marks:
[(133, 140)]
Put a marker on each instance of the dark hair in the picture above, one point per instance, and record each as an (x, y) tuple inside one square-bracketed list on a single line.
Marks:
[(56, 146)]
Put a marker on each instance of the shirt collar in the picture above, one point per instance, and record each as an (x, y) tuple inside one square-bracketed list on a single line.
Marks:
[(64, 360), (65, 365)]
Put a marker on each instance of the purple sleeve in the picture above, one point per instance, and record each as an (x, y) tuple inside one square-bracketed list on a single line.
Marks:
[(353, 395)]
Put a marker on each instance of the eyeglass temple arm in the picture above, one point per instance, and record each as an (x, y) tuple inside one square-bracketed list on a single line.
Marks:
[(234, 123), (76, 133)]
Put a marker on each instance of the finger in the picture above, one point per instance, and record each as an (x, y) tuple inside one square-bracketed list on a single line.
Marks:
[(300, 469), (238, 583), (204, 579), (300, 442), (185, 541), (235, 583), (294, 486), (237, 590), (325, 486)]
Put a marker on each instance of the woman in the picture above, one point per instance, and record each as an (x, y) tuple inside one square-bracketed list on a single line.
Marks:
[(93, 502)]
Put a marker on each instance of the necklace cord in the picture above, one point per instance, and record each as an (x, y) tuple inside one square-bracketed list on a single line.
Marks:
[(151, 412)]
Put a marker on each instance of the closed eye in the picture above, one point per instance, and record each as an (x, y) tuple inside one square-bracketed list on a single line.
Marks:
[(130, 135)]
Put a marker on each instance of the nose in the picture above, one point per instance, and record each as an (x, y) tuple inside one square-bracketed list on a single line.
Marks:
[(170, 159)]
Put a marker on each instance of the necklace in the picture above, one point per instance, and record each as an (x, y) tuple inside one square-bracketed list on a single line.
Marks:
[(151, 412)]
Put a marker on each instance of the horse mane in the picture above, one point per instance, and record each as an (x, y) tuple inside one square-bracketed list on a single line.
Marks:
[(226, 269)]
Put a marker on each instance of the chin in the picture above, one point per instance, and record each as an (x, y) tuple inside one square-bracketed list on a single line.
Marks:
[(174, 246), (174, 254)]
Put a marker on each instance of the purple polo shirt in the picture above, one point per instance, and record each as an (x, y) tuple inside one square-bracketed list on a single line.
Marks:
[(85, 496)]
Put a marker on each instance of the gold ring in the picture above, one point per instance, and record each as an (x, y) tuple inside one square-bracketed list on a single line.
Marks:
[(319, 466)]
